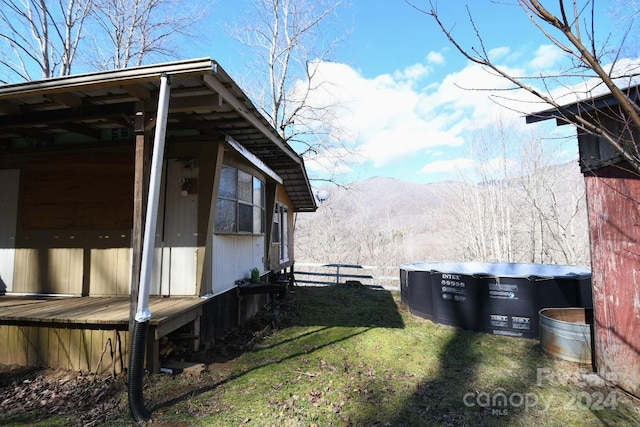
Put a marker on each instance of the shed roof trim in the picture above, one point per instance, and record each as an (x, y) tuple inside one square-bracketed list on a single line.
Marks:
[(583, 106)]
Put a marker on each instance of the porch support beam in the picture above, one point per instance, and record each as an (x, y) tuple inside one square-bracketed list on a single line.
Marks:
[(139, 193)]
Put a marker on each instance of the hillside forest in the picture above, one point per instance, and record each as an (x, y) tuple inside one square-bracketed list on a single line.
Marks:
[(512, 203)]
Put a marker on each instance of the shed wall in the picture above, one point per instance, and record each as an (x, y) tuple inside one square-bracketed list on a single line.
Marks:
[(614, 227)]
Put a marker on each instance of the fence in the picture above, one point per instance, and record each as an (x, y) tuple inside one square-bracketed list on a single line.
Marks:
[(307, 273)]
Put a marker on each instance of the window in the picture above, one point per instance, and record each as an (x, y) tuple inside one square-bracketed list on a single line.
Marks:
[(280, 232), (240, 205)]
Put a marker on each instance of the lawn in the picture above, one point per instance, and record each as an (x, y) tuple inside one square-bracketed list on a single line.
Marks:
[(343, 356)]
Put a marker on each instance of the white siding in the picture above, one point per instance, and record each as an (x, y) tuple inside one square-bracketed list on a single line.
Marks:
[(233, 258), (175, 261), (9, 187)]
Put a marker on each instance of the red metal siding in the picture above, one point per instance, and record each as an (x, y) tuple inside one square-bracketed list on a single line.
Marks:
[(614, 225)]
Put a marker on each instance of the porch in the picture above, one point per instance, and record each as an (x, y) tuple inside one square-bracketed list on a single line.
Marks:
[(87, 333)]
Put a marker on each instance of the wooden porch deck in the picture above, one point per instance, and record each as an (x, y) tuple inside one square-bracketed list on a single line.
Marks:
[(77, 332)]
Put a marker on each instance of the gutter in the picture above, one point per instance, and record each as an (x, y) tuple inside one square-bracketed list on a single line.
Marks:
[(143, 314)]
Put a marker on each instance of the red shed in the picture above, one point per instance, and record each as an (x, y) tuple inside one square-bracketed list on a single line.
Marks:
[(613, 197)]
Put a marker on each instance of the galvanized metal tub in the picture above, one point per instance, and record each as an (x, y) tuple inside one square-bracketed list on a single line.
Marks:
[(567, 333)]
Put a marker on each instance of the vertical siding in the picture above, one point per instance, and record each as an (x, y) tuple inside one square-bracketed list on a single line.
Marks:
[(9, 187), (233, 258), (110, 271), (93, 350), (57, 270), (176, 254), (614, 222)]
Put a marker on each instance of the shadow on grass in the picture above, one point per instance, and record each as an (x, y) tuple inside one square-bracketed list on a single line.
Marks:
[(489, 380), (338, 313), (347, 307), (469, 378), (460, 393)]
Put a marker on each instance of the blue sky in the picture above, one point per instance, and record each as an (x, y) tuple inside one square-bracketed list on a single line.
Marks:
[(408, 116)]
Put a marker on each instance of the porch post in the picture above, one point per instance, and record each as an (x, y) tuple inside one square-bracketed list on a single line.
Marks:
[(140, 170)]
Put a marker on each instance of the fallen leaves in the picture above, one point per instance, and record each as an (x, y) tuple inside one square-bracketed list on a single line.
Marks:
[(58, 392)]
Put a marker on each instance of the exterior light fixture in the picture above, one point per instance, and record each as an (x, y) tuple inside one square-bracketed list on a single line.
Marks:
[(185, 186), (322, 195)]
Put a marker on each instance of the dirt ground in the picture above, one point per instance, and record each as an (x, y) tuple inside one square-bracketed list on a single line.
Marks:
[(29, 394), (41, 393)]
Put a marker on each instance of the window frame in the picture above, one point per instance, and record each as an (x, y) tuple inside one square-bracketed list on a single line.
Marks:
[(243, 215), (281, 235)]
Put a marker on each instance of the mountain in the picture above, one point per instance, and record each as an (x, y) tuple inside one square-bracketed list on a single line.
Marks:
[(387, 221)]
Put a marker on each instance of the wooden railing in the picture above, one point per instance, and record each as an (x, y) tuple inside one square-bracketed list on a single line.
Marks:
[(307, 273)]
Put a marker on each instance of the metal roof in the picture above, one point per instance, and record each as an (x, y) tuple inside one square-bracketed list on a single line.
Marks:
[(586, 105), (204, 102)]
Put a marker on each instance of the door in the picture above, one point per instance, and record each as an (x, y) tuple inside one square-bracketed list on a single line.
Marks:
[(10, 179), (176, 239)]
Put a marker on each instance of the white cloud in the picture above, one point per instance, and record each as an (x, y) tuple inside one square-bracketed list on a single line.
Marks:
[(546, 57), (435, 58), (413, 73), (458, 165), (402, 116), (388, 119), (499, 53)]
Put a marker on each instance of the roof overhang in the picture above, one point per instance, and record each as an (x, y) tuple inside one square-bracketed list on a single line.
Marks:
[(205, 102), (583, 107)]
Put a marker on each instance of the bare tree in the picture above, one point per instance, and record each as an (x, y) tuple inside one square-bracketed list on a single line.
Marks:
[(600, 67), (50, 37), (133, 31), (40, 35), (516, 205), (552, 205), (485, 212), (289, 44)]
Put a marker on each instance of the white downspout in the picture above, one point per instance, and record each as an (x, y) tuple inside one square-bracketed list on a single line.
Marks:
[(143, 313)]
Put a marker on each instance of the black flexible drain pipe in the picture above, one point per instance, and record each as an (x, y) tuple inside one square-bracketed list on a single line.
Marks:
[(136, 372)]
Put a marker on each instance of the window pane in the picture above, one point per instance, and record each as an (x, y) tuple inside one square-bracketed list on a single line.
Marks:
[(275, 230), (225, 216), (258, 193), (257, 220), (245, 218), (228, 183), (284, 244), (245, 183)]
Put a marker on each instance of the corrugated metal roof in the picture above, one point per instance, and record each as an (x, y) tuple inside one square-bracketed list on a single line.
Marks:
[(204, 102), (582, 106)]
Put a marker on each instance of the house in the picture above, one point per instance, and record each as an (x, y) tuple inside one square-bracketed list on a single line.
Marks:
[(613, 197), (75, 168)]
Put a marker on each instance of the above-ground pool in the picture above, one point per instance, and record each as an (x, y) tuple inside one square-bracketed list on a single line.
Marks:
[(498, 298)]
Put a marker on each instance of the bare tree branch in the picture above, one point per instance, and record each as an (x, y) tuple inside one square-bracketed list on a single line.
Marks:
[(139, 30), (49, 37), (588, 56), (41, 36), (286, 38)]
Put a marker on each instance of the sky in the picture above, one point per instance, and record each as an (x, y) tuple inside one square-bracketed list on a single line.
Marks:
[(410, 112)]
